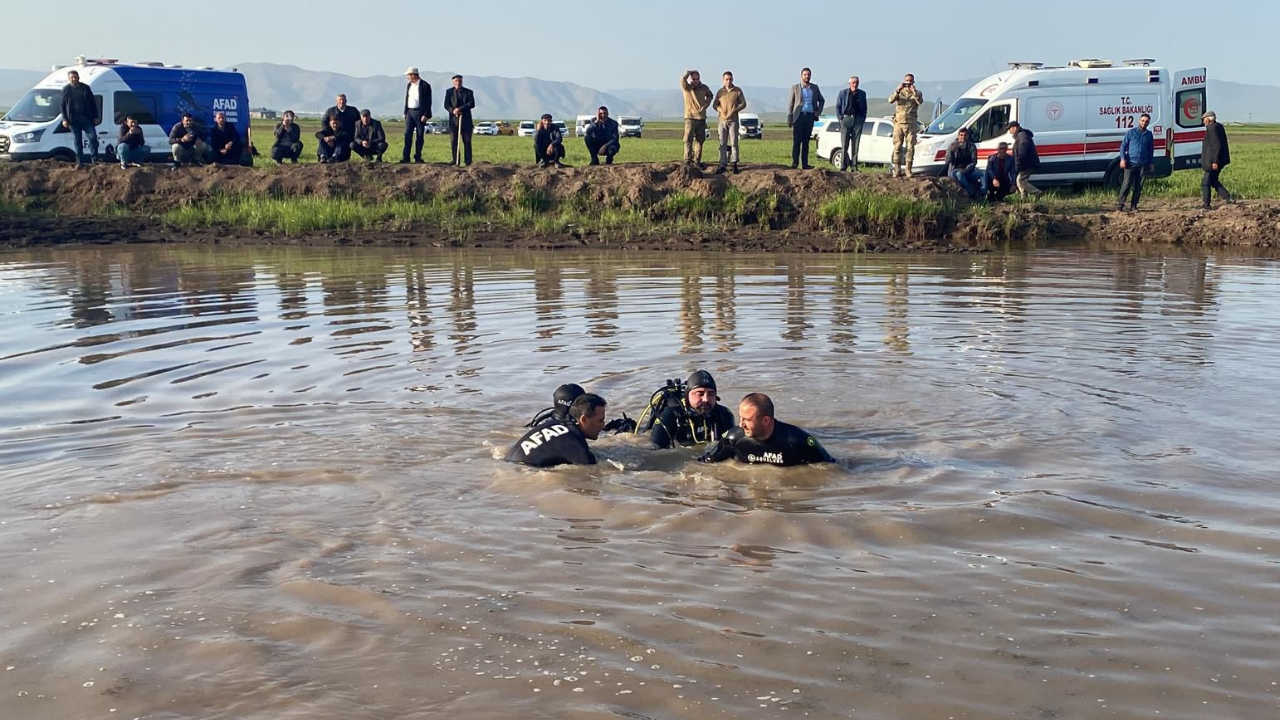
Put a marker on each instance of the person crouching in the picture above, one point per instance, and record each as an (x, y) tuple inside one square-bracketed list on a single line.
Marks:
[(548, 143)]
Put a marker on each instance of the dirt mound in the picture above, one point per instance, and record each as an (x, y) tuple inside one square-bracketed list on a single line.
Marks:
[(1248, 223)]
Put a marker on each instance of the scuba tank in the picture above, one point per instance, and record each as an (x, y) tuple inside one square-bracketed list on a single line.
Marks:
[(672, 394)]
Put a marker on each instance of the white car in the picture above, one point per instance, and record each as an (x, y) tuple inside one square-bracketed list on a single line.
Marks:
[(527, 128), (874, 149), (821, 124), (560, 124), (485, 128)]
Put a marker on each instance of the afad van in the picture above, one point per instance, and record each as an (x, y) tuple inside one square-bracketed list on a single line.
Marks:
[(1078, 114), (155, 94)]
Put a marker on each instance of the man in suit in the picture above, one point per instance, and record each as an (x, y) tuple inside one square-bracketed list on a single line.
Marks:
[(369, 142), (851, 111), (417, 110), (459, 102), (803, 108), (1215, 154)]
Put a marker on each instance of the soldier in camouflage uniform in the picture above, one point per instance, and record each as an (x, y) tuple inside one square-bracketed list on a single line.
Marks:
[(906, 102)]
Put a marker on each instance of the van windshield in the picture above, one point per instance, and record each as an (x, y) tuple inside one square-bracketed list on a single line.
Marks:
[(630, 121), (749, 122), (955, 116), (37, 106)]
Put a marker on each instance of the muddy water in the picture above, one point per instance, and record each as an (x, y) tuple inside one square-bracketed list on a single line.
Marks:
[(261, 484)]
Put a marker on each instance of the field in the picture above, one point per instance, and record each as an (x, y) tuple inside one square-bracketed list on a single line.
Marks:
[(1254, 172)]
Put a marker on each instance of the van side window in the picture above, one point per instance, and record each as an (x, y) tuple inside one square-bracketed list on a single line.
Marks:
[(868, 127), (98, 100), (884, 129), (1190, 106), (143, 107), (992, 123)]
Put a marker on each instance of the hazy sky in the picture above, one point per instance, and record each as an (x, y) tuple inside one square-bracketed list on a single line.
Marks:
[(647, 43)]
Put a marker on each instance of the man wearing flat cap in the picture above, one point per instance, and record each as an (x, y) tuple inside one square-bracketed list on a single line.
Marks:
[(417, 111), (699, 420)]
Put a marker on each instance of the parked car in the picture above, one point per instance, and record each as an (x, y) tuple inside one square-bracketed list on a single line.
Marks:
[(875, 148), (580, 125), (485, 128), (750, 127), (527, 128), (630, 126), (434, 128), (564, 130), (821, 123), (505, 128)]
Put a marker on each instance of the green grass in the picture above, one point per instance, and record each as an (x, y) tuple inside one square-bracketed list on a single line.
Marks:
[(862, 210)]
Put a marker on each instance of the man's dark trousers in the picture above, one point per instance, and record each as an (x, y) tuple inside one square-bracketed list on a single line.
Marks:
[(1133, 178), (466, 130), (413, 124), (850, 139), (1210, 182), (82, 129), (800, 133)]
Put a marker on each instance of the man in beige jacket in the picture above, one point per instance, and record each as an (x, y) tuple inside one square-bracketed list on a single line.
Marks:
[(906, 101), (697, 98), (728, 103)]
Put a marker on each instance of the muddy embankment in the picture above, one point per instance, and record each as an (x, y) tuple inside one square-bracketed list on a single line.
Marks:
[(762, 208)]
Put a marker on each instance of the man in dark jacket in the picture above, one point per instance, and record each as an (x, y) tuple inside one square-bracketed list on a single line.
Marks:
[(348, 115), (762, 439), (700, 419), (459, 102), (602, 137), (1137, 153), (417, 110), (370, 141), (335, 143), (131, 144), (225, 140), (1025, 158), (548, 143), (962, 164), (563, 442), (186, 142), (803, 108), (999, 179), (80, 115), (851, 111), (1214, 156), (288, 144)]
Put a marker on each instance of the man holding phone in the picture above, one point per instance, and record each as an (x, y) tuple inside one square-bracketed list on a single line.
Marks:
[(906, 101)]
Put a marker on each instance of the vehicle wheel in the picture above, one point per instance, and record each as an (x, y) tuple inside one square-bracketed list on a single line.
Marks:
[(1112, 179), (837, 158), (64, 155)]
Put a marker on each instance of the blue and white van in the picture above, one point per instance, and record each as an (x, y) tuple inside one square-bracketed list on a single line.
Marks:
[(153, 93)]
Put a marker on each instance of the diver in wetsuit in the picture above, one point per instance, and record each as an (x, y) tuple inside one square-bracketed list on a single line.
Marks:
[(562, 398), (761, 439), (563, 442), (698, 420)]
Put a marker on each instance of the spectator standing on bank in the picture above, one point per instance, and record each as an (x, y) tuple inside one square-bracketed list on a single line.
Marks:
[(459, 102), (803, 108), (548, 143), (1215, 155), (417, 110), (225, 140), (1026, 160), (697, 98), (347, 115), (851, 112), (728, 103), (81, 116), (131, 144), (602, 137), (370, 142), (1000, 178), (906, 101), (288, 144), (962, 164), (1137, 155)]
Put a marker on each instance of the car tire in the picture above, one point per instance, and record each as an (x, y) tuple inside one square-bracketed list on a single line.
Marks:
[(837, 157), (1113, 177), (64, 155)]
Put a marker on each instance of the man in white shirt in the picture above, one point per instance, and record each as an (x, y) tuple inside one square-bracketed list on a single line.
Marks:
[(417, 111)]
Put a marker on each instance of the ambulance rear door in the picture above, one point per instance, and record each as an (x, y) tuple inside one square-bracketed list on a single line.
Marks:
[(1190, 95)]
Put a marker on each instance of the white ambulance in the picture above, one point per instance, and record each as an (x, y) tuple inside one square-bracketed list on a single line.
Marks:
[(1078, 115)]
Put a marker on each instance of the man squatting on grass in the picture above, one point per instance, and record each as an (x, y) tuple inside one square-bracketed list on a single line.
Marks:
[(548, 143), (288, 144)]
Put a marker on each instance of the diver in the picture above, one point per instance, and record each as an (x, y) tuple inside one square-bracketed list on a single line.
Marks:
[(695, 419), (761, 439), (563, 398), (563, 441)]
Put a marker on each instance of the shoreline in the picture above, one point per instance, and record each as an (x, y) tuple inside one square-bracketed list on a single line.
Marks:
[(638, 206)]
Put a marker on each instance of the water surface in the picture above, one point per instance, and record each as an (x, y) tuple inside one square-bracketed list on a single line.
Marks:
[(261, 484)]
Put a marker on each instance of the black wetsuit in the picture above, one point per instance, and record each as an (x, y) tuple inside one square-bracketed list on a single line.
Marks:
[(551, 444), (678, 426), (788, 445)]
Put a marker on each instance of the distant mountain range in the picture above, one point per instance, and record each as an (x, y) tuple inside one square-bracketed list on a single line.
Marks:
[(308, 91)]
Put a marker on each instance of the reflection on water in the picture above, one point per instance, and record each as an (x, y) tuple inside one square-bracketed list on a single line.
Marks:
[(261, 483)]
